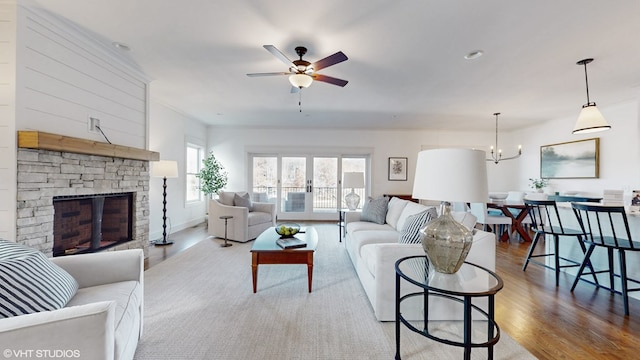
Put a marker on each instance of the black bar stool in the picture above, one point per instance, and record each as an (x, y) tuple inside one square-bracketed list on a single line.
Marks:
[(545, 220), (607, 227)]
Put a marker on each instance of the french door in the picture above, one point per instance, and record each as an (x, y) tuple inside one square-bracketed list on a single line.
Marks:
[(303, 187)]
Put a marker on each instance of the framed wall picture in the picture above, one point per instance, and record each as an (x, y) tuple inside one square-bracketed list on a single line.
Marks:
[(398, 168), (570, 160)]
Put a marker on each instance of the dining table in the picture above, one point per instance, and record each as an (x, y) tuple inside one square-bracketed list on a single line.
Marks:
[(518, 212)]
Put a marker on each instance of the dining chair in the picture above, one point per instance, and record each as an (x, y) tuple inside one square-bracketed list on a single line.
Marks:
[(498, 223), (545, 220), (607, 228)]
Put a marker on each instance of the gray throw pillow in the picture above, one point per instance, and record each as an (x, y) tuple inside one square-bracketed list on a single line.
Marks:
[(30, 282), (375, 210), (410, 233), (244, 201), (226, 197)]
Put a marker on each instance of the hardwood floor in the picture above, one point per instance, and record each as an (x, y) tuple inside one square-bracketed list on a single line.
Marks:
[(551, 322), (182, 240)]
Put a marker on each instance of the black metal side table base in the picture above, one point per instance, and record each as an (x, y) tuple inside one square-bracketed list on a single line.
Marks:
[(162, 243), (225, 218)]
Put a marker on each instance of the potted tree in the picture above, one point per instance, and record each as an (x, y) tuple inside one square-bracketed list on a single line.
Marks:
[(212, 176)]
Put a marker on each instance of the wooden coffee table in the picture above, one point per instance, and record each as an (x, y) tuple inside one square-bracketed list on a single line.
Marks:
[(266, 251)]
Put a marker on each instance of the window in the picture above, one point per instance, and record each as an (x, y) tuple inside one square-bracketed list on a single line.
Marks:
[(194, 164)]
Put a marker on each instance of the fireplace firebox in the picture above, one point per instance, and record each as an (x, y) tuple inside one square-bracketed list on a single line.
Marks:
[(90, 223)]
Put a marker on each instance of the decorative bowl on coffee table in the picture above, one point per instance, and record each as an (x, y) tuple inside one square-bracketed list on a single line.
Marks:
[(287, 230)]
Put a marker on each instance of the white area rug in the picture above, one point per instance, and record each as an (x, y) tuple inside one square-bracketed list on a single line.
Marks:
[(199, 305)]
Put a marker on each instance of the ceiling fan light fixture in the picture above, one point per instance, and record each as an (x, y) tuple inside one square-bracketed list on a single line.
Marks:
[(590, 119), (300, 80)]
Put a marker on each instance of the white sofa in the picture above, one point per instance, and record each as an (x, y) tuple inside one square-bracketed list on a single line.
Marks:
[(245, 225), (103, 320), (374, 250)]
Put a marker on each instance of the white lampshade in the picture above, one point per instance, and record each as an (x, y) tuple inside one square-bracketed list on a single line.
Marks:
[(353, 180), (164, 169), (590, 120), (453, 175), (300, 80)]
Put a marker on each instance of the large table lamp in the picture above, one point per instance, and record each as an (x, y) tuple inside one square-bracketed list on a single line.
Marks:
[(449, 175), (352, 180), (164, 169)]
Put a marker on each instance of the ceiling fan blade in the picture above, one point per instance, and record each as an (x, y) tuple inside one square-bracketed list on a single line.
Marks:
[(268, 74), (329, 79), (277, 53), (329, 60)]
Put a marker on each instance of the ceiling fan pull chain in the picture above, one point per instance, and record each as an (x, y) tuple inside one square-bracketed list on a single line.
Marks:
[(300, 100)]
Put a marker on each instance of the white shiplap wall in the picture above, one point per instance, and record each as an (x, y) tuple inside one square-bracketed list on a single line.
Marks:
[(53, 77), (7, 120), (64, 77)]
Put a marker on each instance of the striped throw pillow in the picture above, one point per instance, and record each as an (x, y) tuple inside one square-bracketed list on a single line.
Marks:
[(410, 233), (30, 282)]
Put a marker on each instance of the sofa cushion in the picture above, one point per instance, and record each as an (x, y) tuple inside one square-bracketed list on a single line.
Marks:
[(30, 282), (364, 237), (258, 217), (410, 233), (243, 201), (375, 210), (394, 209), (411, 209), (365, 225)]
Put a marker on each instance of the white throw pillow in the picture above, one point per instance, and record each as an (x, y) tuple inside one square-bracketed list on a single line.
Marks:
[(394, 209), (465, 218), (412, 208)]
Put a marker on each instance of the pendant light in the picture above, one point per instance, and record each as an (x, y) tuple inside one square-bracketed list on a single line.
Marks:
[(496, 153), (590, 119)]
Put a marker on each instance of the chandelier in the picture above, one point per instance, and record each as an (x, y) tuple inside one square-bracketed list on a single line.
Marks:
[(496, 153)]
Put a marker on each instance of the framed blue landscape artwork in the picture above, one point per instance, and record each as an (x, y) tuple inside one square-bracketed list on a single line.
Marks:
[(570, 160)]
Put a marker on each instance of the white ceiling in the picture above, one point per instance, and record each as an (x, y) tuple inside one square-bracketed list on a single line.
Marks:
[(406, 68)]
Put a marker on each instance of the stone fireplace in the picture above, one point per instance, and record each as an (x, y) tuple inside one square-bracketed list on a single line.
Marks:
[(90, 223), (48, 178)]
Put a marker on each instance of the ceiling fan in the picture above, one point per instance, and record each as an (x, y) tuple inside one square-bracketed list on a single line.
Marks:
[(301, 72)]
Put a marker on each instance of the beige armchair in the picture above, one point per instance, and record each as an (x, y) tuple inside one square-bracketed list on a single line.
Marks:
[(245, 225)]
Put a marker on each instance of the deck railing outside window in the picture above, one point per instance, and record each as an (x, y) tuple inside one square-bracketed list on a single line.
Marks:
[(324, 198)]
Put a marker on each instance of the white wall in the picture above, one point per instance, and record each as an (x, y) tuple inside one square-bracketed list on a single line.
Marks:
[(7, 120), (230, 146), (64, 77), (619, 151), (169, 132)]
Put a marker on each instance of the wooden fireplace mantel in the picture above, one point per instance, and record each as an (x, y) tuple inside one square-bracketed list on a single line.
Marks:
[(53, 142)]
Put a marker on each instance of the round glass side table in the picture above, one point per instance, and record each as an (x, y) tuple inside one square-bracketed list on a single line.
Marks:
[(464, 291)]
